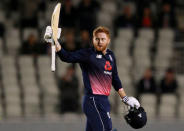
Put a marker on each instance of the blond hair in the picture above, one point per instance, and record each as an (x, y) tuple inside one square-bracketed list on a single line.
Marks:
[(101, 29)]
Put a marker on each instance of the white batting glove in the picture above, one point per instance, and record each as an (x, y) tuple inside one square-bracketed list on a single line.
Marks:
[(131, 101), (48, 34)]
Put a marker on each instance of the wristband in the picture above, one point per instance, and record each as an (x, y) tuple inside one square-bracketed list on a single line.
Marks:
[(125, 99)]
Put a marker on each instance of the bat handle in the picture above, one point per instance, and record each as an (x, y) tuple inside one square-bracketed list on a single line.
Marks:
[(53, 58)]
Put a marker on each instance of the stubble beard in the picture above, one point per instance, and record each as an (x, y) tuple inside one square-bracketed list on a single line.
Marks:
[(101, 49)]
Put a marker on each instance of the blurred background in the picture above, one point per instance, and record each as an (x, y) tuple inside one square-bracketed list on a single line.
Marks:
[(146, 37)]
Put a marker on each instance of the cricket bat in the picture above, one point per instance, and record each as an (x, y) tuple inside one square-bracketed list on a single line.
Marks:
[(54, 26)]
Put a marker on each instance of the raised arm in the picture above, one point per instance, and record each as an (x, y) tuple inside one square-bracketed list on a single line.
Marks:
[(74, 57)]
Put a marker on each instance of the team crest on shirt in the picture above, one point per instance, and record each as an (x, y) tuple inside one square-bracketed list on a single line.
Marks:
[(108, 66)]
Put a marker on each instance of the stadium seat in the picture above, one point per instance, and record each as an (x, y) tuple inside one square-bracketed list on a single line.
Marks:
[(12, 98), (167, 107), (13, 110), (9, 78), (2, 16), (28, 31), (79, 76), (180, 79), (121, 52), (166, 33), (166, 53), (31, 100), (61, 67), (149, 102), (51, 99), (130, 89), (161, 64), (44, 69), (109, 7), (28, 80), (48, 83), (143, 43), (120, 42), (1, 106), (104, 19), (146, 34), (164, 43), (159, 73), (27, 70), (41, 20), (13, 42), (138, 72), (26, 60), (1, 48), (1, 103), (49, 10), (141, 52), (126, 33), (144, 61), (124, 61), (181, 107), (44, 61), (9, 71), (8, 60)]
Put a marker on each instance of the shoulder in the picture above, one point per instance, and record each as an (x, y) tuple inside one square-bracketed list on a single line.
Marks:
[(110, 52)]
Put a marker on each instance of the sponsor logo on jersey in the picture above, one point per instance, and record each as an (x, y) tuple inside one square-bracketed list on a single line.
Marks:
[(98, 56), (108, 66), (107, 73)]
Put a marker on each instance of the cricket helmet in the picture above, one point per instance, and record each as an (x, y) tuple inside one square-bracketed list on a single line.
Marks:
[(136, 118)]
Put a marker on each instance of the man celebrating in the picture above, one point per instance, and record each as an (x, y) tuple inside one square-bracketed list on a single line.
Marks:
[(98, 65)]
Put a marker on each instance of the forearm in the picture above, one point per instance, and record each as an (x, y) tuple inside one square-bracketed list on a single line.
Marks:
[(121, 93)]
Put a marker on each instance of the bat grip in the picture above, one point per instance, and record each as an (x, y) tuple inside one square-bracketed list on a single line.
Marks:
[(53, 58)]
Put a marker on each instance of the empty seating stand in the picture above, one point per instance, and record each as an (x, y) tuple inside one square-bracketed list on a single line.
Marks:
[(31, 90), (167, 107), (48, 85), (149, 102)]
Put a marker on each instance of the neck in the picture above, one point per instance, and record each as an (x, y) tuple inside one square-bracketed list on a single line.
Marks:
[(104, 51)]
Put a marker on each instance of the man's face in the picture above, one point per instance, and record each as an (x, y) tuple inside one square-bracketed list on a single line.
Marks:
[(101, 41)]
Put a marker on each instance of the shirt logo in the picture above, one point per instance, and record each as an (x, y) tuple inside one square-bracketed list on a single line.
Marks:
[(107, 73), (99, 56), (140, 115), (108, 66)]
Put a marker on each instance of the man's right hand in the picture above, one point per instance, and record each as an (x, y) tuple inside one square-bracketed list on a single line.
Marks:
[(48, 34)]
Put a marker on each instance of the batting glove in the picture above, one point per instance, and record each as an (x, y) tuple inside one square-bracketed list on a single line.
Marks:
[(131, 101), (48, 34)]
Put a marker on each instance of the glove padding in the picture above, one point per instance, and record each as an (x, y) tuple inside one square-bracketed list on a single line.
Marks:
[(48, 34), (131, 101)]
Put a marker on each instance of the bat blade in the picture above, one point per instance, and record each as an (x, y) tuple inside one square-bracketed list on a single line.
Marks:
[(54, 26), (55, 21)]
